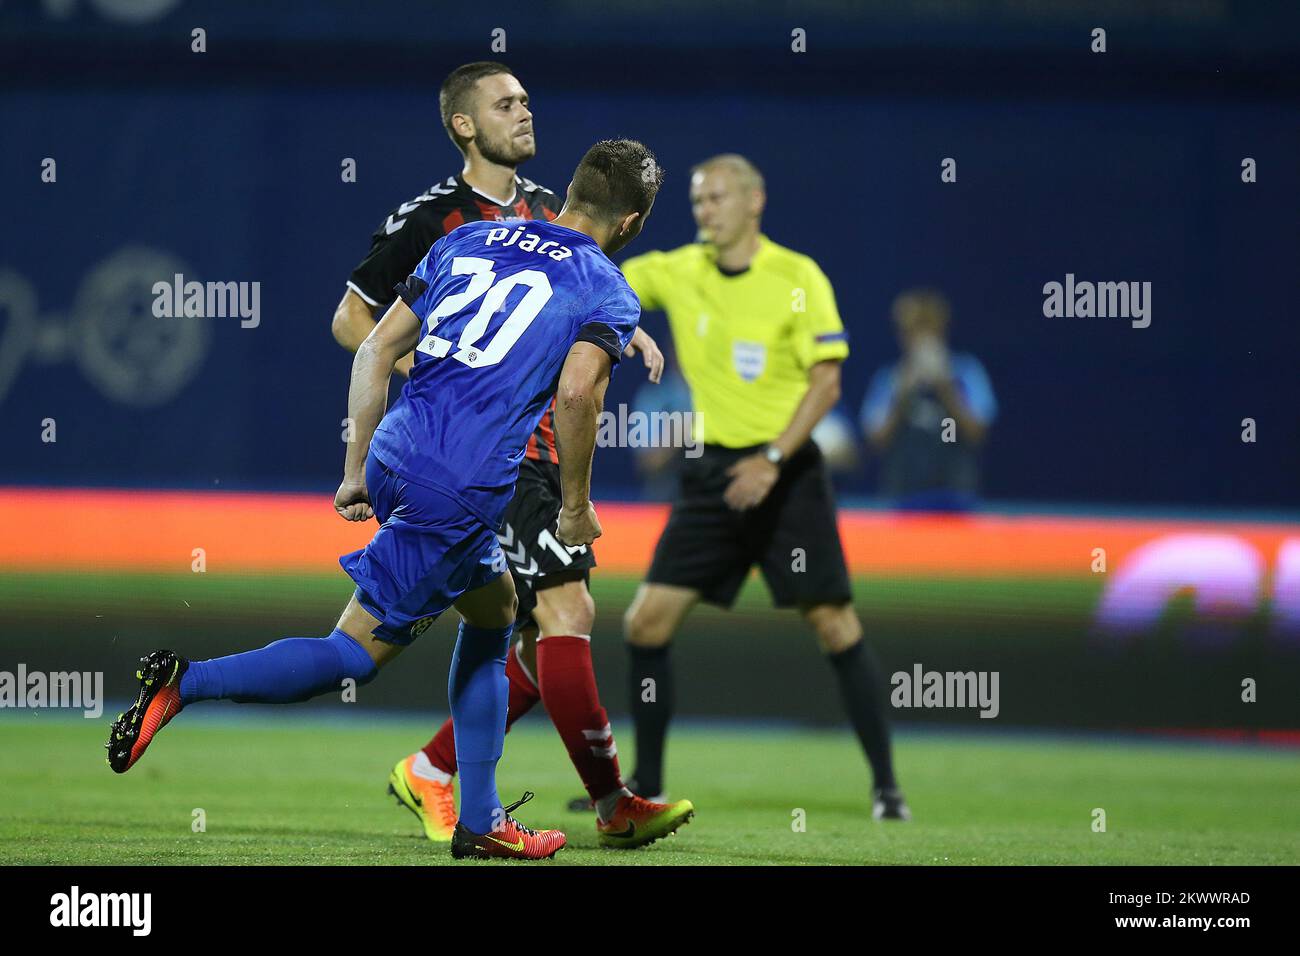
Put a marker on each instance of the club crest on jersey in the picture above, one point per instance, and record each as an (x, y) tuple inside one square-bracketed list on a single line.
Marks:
[(749, 358), (527, 241), (422, 625)]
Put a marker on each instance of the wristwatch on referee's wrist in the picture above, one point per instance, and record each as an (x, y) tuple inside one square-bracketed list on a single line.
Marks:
[(773, 454)]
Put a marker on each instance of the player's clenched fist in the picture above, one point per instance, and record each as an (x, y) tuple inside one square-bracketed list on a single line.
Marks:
[(578, 525), (353, 501)]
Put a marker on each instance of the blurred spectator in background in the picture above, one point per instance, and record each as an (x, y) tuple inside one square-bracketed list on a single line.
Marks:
[(928, 414)]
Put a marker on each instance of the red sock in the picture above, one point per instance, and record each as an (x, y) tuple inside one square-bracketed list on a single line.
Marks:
[(569, 692), (441, 750)]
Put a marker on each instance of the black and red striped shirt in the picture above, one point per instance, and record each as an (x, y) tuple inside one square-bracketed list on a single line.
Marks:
[(405, 236)]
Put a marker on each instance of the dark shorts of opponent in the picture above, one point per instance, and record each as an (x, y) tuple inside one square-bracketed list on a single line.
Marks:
[(537, 558), (792, 536)]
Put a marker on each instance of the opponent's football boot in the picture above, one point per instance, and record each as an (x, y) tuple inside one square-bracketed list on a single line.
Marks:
[(433, 803), (637, 821)]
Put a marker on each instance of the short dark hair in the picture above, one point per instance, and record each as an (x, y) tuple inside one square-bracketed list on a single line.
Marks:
[(616, 177), (458, 88)]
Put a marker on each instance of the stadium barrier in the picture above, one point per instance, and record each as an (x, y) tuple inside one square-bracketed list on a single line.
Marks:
[(1089, 621)]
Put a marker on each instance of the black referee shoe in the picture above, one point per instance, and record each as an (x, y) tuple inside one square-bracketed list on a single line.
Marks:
[(889, 805)]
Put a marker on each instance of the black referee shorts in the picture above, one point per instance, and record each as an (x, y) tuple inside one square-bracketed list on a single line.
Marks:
[(537, 558), (792, 536)]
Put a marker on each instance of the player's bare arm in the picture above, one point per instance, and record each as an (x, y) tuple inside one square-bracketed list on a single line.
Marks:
[(650, 353), (354, 319), (754, 475), (579, 400), (394, 336)]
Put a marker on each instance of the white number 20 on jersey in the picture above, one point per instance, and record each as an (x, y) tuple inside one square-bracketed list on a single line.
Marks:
[(483, 282)]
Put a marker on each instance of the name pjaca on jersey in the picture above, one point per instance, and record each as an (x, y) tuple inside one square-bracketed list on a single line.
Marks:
[(531, 242)]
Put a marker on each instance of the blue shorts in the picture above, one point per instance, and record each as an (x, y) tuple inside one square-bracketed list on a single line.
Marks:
[(428, 552)]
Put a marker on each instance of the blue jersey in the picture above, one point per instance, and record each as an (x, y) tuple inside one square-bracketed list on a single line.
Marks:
[(501, 304)]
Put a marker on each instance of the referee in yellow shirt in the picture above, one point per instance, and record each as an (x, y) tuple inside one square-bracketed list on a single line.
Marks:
[(760, 343)]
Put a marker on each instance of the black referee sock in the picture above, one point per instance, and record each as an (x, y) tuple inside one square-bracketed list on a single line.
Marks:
[(652, 709), (864, 698)]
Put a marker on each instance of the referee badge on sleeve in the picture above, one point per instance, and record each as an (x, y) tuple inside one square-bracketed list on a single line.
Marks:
[(750, 358)]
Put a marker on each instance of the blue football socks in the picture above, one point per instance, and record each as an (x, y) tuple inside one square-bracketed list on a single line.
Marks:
[(478, 690), (286, 672)]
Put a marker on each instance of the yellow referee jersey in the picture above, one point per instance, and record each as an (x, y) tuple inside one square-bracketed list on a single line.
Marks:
[(745, 342)]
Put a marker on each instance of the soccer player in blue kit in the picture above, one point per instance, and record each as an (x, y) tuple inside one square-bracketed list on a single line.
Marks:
[(501, 317)]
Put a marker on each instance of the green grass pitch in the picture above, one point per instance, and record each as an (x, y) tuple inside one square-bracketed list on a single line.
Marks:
[(281, 788)]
